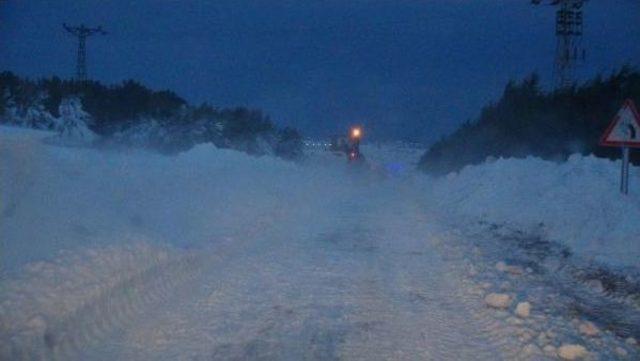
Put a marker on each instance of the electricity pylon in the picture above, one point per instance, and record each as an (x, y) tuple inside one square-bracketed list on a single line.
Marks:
[(569, 29), (82, 32)]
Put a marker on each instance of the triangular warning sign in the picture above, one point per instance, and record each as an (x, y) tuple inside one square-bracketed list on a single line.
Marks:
[(624, 130)]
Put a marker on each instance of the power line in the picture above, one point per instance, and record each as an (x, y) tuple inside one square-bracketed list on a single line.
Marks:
[(82, 33), (569, 50)]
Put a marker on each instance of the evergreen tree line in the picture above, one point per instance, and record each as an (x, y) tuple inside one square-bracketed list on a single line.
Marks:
[(132, 113), (527, 121)]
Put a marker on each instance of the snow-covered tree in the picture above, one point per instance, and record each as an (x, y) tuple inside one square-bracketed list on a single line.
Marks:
[(38, 117), (132, 114), (74, 121), (33, 115)]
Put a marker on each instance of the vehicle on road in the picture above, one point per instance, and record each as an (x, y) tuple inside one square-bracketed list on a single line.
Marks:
[(349, 145)]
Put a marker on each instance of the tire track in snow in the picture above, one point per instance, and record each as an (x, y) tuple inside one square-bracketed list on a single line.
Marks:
[(62, 307), (65, 308), (437, 323)]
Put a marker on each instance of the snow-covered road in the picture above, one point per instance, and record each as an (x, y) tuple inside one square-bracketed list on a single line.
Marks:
[(234, 258), (215, 255), (356, 291)]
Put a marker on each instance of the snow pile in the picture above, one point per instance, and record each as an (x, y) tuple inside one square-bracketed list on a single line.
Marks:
[(151, 133), (56, 198), (576, 203), (142, 134)]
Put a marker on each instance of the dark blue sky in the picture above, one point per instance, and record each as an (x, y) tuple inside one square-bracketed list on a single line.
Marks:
[(403, 68)]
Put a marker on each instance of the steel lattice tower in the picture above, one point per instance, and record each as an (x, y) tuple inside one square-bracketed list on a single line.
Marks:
[(82, 32), (569, 51)]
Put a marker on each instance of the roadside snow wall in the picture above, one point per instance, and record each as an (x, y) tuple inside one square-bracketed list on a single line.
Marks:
[(576, 203), (57, 197)]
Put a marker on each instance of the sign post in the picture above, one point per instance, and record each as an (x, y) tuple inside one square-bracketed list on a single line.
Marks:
[(624, 132), (624, 181)]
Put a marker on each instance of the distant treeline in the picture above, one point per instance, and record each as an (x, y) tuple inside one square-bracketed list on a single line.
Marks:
[(131, 112), (529, 122)]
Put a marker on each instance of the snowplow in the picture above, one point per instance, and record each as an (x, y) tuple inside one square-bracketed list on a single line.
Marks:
[(353, 151), (349, 145)]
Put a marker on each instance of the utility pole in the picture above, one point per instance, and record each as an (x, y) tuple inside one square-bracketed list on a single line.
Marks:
[(82, 32), (569, 51)]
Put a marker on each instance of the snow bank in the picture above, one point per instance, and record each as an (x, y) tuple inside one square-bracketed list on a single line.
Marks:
[(576, 203), (58, 198)]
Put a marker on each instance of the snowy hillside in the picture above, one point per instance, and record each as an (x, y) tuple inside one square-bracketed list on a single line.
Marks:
[(132, 115)]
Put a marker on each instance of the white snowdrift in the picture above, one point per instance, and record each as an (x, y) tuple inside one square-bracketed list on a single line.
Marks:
[(576, 203), (59, 198)]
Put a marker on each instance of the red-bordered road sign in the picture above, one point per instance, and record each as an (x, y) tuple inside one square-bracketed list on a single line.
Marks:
[(624, 130)]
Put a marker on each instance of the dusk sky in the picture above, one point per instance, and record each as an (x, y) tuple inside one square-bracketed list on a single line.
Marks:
[(405, 69)]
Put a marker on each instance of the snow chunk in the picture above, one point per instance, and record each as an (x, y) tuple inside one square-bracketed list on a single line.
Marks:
[(621, 352), (498, 300), (589, 329), (550, 350), (523, 309), (572, 352), (514, 270), (531, 350)]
